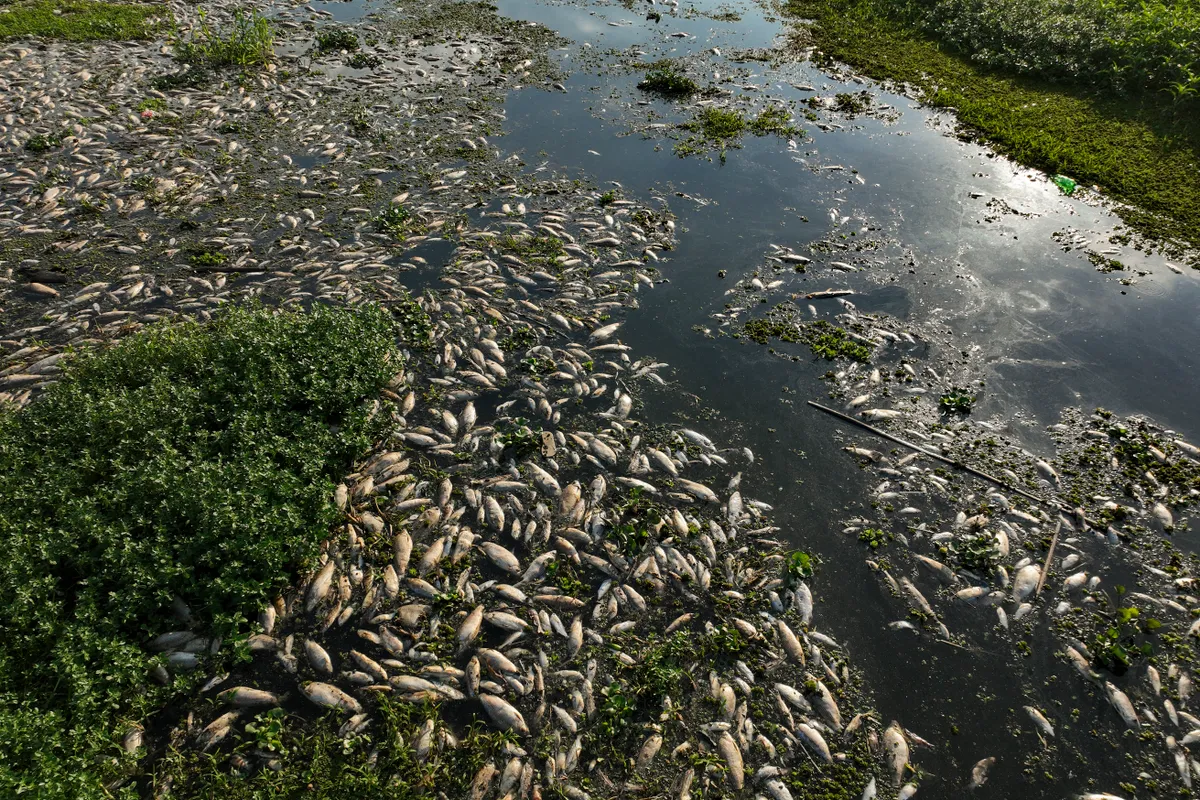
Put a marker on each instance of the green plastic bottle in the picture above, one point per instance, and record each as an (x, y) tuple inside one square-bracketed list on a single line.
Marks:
[(1063, 182)]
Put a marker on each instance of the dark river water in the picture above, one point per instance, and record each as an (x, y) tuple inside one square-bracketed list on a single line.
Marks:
[(1039, 324)]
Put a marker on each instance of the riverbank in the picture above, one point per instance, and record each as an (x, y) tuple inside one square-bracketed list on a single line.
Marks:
[(1141, 150)]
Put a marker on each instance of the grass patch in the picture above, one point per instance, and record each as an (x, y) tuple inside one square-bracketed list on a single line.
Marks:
[(79, 20), (249, 42), (1141, 150), (190, 463), (665, 79)]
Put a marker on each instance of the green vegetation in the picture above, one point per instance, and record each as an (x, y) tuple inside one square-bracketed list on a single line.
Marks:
[(799, 565), (315, 761), (396, 221), (43, 142), (978, 552), (852, 103), (533, 250), (665, 78), (874, 537), (248, 43), (363, 61), (336, 38), (719, 128), (189, 466), (1140, 149), (825, 340), (79, 20), (957, 401), (208, 258), (1122, 45)]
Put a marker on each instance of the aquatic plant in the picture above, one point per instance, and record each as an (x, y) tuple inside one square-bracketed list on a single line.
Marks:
[(956, 401), (336, 38), (666, 79)]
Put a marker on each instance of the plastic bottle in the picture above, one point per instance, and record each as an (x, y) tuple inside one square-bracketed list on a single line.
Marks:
[(1063, 182)]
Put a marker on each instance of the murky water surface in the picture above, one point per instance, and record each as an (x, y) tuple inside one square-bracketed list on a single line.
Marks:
[(968, 248)]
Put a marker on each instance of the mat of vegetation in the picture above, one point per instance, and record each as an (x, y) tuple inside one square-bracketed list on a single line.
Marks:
[(1039, 96), (79, 20), (190, 463)]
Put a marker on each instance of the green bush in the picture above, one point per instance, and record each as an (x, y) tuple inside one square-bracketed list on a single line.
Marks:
[(249, 42), (1119, 44), (190, 462)]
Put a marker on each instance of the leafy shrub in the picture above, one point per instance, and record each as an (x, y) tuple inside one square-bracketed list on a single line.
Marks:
[(189, 463), (248, 43)]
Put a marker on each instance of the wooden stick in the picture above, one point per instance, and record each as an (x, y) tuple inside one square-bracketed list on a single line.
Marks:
[(1049, 555), (1056, 505)]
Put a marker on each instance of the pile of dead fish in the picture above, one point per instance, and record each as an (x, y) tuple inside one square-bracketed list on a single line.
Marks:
[(936, 515), (462, 613)]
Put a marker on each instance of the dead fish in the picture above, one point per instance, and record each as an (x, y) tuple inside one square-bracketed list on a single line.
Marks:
[(979, 773), (503, 715), (323, 694), (501, 557), (815, 741), (1120, 701), (1040, 720), (318, 657), (246, 697), (896, 748)]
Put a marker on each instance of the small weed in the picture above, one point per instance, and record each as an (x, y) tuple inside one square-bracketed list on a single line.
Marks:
[(874, 537), (43, 142), (267, 730), (774, 120), (362, 60), (852, 103), (534, 250), (208, 258), (190, 78), (152, 104), (608, 198), (397, 222), (957, 401), (799, 565), (978, 552), (336, 38)]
